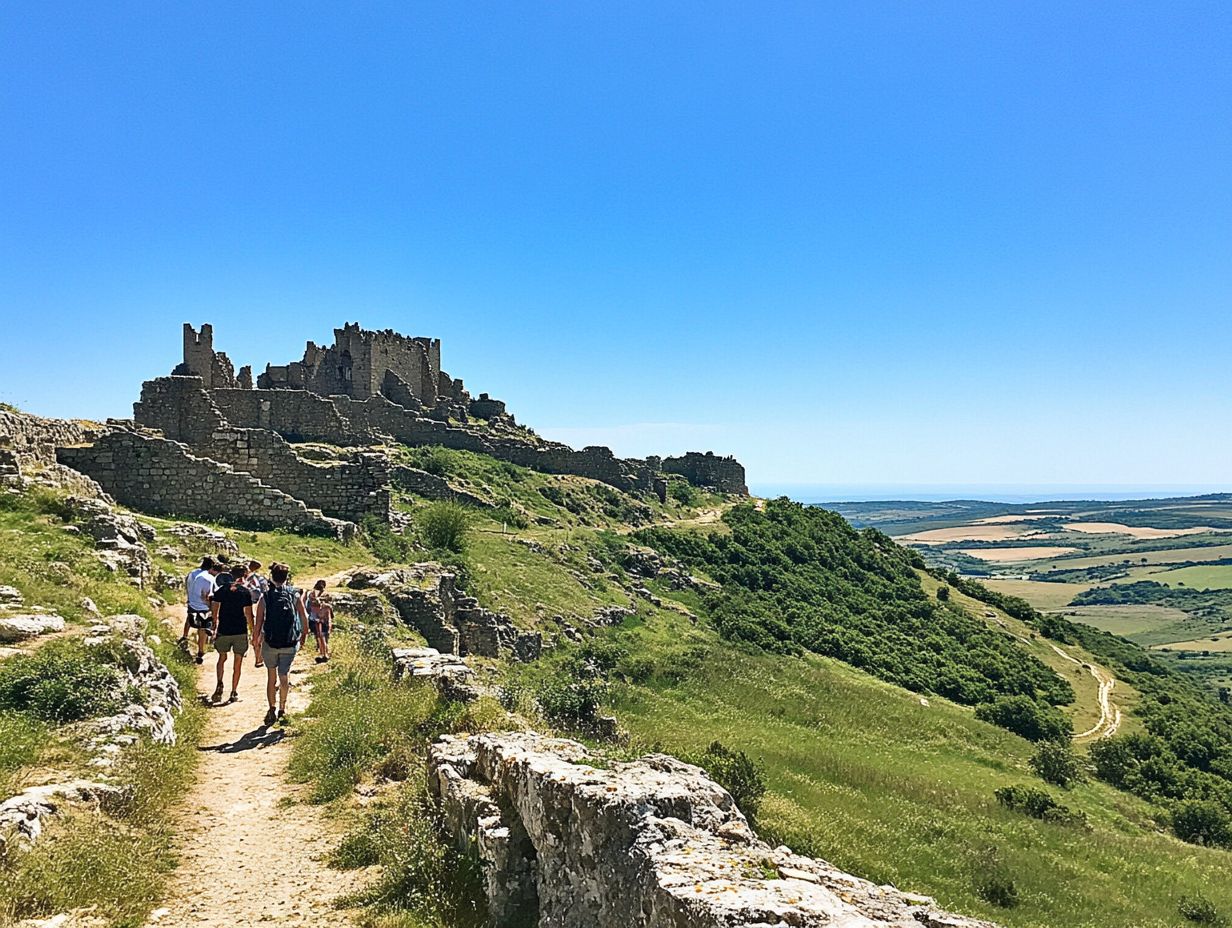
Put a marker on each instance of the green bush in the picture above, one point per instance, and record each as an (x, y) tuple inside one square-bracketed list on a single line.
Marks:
[(572, 704), (444, 525), (61, 682), (684, 492), (997, 889), (1201, 821), (1025, 716), (434, 459), (1199, 909), (737, 773), (1055, 762), (1037, 803)]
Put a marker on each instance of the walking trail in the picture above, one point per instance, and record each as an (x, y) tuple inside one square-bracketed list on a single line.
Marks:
[(246, 854)]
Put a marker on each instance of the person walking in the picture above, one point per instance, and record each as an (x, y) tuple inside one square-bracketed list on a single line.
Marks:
[(320, 619), (233, 624), (206, 563), (257, 585), (200, 586), (281, 628)]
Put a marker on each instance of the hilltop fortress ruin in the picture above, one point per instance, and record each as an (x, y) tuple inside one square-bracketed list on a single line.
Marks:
[(213, 443)]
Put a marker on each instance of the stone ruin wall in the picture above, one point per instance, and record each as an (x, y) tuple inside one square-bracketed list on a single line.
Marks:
[(184, 411), (724, 474), (163, 477), (33, 440)]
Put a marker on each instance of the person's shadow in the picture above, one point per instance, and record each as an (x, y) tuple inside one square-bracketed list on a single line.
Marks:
[(257, 738)]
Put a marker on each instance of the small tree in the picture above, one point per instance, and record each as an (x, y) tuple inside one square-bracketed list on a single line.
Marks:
[(737, 773), (1054, 762), (1200, 821), (943, 593), (444, 525)]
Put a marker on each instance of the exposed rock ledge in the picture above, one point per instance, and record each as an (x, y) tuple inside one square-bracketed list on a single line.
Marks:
[(649, 844)]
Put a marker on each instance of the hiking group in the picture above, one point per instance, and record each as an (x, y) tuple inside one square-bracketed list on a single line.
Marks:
[(233, 605)]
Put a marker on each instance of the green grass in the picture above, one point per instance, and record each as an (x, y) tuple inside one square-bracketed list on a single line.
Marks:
[(117, 859), (22, 739), (1200, 577), (531, 585), (54, 568), (1039, 593), (864, 775), (1143, 624)]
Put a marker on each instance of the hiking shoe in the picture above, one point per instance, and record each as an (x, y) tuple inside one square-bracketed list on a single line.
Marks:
[(322, 660), (183, 642), (200, 658), (271, 716), (235, 697), (282, 713), (217, 697)]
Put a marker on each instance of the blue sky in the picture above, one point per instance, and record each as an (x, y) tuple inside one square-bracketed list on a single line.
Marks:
[(901, 243)]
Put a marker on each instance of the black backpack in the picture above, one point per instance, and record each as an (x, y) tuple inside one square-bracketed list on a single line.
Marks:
[(282, 628)]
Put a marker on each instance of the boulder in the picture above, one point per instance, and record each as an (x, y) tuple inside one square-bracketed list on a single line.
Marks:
[(448, 672), (14, 628)]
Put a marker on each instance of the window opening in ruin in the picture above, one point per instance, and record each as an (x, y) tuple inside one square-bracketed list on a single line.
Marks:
[(344, 369)]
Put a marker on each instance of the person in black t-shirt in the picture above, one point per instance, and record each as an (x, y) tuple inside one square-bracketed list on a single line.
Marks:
[(231, 611)]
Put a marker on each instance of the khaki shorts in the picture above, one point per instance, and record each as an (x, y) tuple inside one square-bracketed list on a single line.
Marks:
[(231, 644)]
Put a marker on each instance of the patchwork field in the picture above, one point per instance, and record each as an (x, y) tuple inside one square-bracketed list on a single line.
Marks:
[(1011, 555), (1039, 593), (1200, 577), (1134, 531)]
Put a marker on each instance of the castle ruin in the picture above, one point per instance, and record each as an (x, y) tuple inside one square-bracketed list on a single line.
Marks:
[(207, 424)]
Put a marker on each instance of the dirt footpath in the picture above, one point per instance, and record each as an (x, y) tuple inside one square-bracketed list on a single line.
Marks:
[(246, 855)]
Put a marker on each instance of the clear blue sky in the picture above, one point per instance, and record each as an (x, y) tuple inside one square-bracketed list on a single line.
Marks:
[(871, 242)]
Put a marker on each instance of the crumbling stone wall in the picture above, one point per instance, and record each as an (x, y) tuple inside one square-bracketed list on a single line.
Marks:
[(33, 440), (567, 841), (201, 360), (185, 411), (723, 474), (430, 486), (163, 477), (427, 599)]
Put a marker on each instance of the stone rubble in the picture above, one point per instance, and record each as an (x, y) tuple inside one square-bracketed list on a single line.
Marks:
[(16, 628), (120, 540), (567, 841), (449, 673), (21, 816), (159, 698)]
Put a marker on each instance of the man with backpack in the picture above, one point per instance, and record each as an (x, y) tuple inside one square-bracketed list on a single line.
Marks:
[(231, 611), (281, 627)]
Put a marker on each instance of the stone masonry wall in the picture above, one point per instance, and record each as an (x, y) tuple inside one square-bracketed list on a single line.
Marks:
[(184, 411), (34, 440), (724, 474), (164, 477)]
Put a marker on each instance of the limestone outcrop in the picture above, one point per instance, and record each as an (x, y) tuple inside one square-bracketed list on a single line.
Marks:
[(24, 626), (566, 841)]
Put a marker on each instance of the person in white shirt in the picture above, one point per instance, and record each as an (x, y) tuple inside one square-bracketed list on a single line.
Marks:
[(200, 586), (206, 563)]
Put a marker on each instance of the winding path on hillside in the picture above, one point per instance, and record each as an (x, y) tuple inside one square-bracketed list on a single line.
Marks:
[(245, 854), (1109, 715)]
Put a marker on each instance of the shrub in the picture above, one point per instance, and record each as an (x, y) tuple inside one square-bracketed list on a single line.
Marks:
[(943, 593), (61, 682), (684, 492), (444, 525), (1025, 716), (1199, 909), (737, 773), (1037, 803), (433, 459), (572, 703), (997, 889), (1201, 821), (1055, 762)]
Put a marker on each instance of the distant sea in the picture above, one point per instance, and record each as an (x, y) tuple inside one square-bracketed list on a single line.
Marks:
[(814, 493)]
